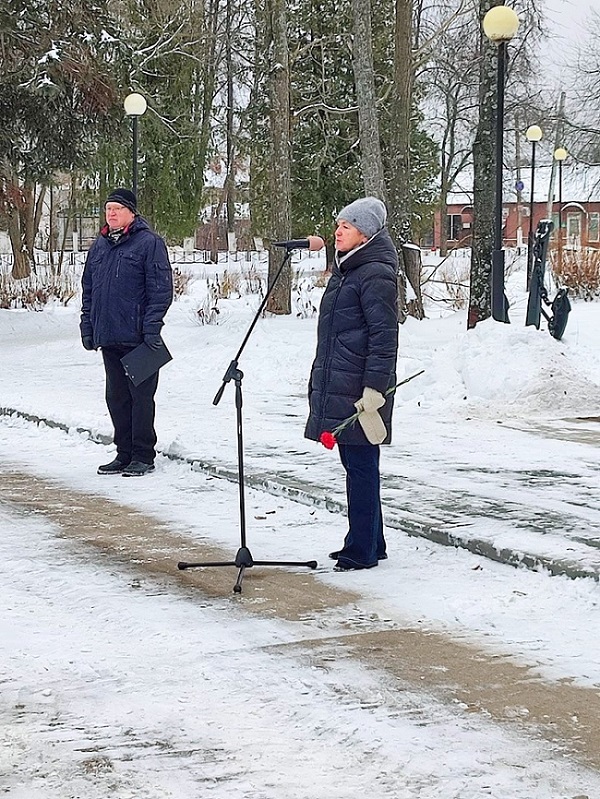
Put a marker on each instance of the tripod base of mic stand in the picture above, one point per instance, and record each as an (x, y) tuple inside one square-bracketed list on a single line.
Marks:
[(244, 560)]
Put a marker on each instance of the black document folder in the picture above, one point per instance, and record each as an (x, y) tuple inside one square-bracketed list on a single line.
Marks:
[(143, 361)]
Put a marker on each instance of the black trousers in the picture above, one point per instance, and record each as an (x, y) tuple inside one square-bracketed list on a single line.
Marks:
[(131, 409)]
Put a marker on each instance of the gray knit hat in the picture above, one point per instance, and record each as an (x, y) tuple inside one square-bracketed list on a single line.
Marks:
[(368, 214)]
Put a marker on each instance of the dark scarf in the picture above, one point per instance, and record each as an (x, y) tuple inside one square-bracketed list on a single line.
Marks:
[(115, 235)]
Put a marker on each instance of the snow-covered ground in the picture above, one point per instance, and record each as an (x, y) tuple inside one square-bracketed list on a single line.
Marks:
[(102, 692)]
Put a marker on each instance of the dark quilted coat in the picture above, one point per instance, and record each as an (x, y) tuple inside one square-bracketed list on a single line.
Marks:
[(357, 339), (127, 287)]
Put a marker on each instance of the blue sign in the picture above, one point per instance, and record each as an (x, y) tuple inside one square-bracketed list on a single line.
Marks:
[(519, 185)]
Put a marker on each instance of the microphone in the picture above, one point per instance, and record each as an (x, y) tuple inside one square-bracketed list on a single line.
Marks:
[(312, 243)]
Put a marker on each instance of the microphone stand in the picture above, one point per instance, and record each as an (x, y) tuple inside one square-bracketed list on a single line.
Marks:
[(243, 558)]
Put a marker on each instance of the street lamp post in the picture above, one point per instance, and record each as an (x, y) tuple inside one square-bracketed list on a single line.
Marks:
[(500, 24), (533, 134), (559, 155), (135, 105)]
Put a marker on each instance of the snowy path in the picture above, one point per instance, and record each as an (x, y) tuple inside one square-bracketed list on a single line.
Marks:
[(438, 675), (542, 517), (122, 677)]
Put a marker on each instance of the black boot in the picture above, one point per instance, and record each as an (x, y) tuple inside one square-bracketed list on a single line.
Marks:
[(114, 467), (137, 469)]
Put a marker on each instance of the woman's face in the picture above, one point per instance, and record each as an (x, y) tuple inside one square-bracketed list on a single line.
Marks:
[(347, 237)]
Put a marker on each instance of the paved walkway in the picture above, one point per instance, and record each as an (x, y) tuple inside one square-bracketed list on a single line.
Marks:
[(538, 518), (330, 625)]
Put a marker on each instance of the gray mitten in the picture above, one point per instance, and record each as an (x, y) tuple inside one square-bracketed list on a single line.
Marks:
[(373, 426)]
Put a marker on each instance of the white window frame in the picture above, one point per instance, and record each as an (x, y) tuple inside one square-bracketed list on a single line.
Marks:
[(595, 226)]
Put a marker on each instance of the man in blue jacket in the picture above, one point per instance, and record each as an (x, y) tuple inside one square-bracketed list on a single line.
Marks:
[(355, 370), (127, 289)]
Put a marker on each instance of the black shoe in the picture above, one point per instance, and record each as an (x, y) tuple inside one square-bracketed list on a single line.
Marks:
[(114, 467), (335, 555), (342, 567), (137, 469)]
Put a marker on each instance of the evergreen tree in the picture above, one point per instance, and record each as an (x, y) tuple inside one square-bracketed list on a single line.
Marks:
[(57, 95), (326, 168)]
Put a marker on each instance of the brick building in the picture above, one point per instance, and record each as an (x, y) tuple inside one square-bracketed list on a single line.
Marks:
[(575, 203)]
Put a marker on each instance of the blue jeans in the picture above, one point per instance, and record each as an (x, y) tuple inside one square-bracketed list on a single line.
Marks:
[(364, 544)]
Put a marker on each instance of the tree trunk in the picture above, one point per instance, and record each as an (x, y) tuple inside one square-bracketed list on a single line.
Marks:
[(19, 212), (38, 210), (368, 120), (399, 183), (280, 301), (484, 171), (444, 190), (411, 255), (230, 177), (399, 192), (21, 266)]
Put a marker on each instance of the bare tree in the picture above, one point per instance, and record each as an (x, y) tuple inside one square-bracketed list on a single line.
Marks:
[(452, 98), (400, 191), (400, 125), (56, 92), (582, 129), (368, 117), (484, 170), (280, 168)]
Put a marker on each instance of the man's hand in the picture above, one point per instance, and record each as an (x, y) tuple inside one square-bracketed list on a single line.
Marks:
[(88, 342), (370, 401), (153, 340)]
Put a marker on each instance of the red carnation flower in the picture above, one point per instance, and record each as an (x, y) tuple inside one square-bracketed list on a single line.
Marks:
[(328, 439)]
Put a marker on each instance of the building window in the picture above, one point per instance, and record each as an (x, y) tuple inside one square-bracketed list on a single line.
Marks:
[(454, 227), (574, 229), (594, 227)]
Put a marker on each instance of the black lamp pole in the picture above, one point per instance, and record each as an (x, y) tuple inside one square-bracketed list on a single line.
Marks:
[(499, 301), (500, 25), (135, 105), (134, 171), (560, 154), (560, 221), (530, 236), (533, 134)]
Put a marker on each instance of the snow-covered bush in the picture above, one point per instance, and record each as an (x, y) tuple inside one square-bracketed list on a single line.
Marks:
[(579, 271), (41, 288)]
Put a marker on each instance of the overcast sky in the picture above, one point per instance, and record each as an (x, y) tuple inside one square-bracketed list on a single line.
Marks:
[(568, 23)]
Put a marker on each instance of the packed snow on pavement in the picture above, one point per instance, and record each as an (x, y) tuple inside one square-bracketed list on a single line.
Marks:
[(109, 687)]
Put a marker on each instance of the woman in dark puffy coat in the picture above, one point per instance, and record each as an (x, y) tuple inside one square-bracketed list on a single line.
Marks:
[(354, 367)]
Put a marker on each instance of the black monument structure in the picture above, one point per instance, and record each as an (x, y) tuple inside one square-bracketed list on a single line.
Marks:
[(560, 306)]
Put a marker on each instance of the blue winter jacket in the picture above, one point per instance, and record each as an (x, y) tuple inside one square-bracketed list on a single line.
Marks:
[(127, 287), (357, 339)]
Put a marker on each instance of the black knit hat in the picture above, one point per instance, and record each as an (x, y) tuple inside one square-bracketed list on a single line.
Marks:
[(123, 197)]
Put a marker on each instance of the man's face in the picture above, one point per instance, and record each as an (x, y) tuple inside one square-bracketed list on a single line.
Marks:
[(347, 237), (118, 216)]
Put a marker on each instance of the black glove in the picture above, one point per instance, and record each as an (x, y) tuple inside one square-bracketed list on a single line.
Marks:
[(88, 342), (153, 340)]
